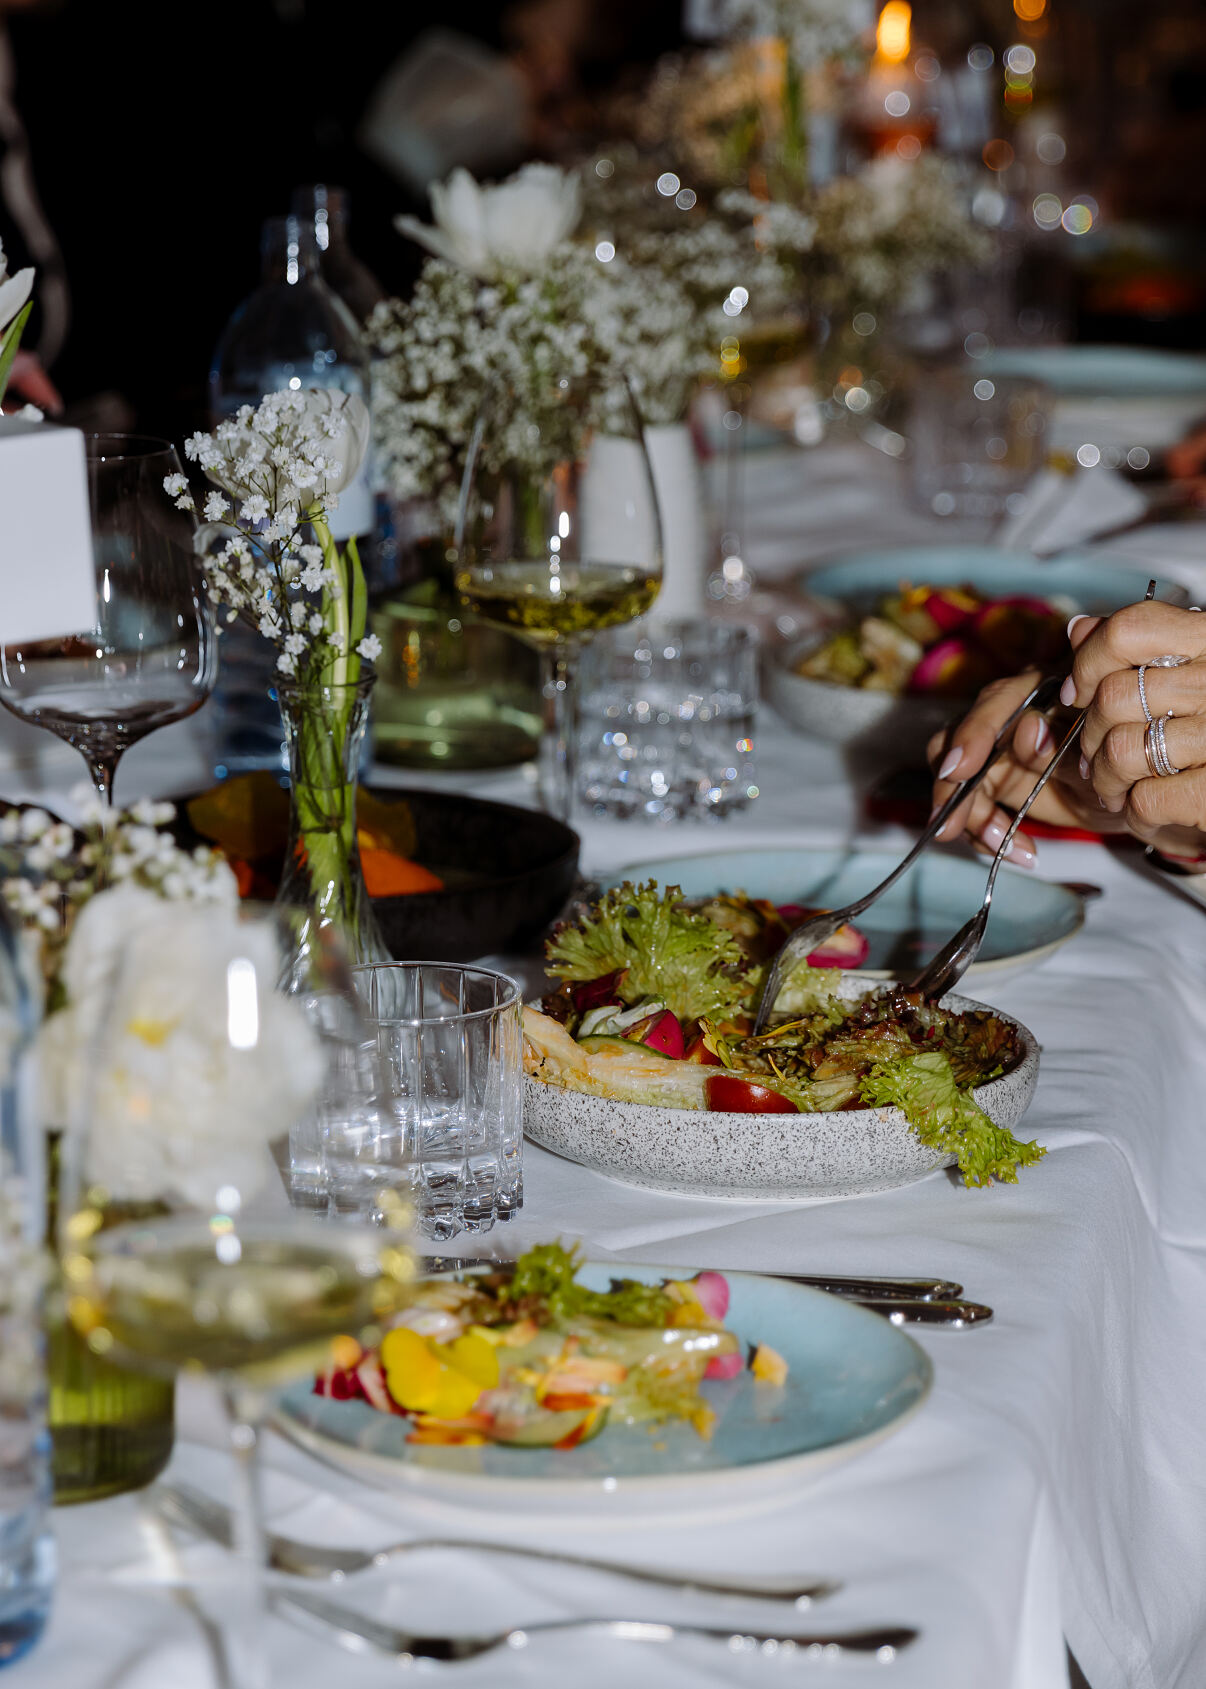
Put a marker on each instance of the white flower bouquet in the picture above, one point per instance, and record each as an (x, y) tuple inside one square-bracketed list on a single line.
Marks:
[(519, 290), (271, 561)]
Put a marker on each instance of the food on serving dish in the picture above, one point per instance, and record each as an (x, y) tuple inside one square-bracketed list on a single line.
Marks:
[(947, 641), (247, 817), (527, 1356), (657, 1003)]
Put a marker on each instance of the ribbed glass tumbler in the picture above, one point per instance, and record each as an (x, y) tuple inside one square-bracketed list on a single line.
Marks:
[(449, 1039)]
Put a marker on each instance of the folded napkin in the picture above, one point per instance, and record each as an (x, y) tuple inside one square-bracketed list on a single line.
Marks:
[(1062, 510)]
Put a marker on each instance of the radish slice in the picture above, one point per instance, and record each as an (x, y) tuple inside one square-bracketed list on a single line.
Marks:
[(847, 948), (664, 1034), (712, 1290)]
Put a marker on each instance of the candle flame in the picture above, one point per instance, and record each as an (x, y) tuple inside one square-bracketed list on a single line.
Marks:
[(892, 32)]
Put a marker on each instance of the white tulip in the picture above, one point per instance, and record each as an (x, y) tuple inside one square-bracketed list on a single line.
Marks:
[(513, 226), (14, 291)]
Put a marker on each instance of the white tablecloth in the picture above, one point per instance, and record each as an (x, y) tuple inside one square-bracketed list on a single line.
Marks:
[(1053, 1485)]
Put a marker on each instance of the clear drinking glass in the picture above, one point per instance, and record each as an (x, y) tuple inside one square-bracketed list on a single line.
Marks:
[(179, 1246), (450, 1040), (559, 536), (151, 659), (975, 439), (667, 721)]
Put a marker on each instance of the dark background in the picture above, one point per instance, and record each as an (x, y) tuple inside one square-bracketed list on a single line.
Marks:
[(162, 136)]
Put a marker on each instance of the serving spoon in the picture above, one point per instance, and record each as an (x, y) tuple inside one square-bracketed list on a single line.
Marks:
[(819, 928)]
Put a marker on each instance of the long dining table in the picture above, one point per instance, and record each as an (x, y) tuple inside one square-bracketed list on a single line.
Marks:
[(1049, 1494)]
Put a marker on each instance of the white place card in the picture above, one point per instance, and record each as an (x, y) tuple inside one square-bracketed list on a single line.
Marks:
[(47, 578)]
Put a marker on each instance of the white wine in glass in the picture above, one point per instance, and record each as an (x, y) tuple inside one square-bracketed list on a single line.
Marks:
[(560, 539), (179, 1248)]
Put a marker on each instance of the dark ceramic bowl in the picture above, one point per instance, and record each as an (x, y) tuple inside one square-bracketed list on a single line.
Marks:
[(507, 873)]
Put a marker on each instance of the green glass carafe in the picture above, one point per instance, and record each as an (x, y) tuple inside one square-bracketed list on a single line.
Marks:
[(452, 692), (110, 1430)]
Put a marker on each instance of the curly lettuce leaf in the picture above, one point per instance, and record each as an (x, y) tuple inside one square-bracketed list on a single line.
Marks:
[(664, 950), (547, 1273), (944, 1117), (812, 991)]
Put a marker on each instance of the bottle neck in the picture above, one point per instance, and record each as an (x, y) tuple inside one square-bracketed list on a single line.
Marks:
[(325, 211), (289, 253)]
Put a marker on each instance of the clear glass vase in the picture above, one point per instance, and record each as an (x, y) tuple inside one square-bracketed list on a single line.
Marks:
[(322, 882)]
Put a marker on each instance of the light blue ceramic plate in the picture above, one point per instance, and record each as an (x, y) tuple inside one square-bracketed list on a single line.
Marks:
[(852, 1379), (909, 923), (861, 579), (1122, 372)]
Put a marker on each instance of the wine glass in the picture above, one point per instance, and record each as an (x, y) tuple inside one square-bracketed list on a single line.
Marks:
[(152, 656), (179, 1245), (558, 536)]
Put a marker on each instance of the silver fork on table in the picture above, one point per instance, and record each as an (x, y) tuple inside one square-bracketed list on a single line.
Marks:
[(182, 1505), (359, 1634), (814, 932)]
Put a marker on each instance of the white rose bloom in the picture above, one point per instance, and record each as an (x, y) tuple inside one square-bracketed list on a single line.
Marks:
[(194, 1079), (510, 227)]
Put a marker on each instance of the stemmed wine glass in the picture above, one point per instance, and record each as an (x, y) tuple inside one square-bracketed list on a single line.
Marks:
[(558, 536), (179, 1245), (151, 658)]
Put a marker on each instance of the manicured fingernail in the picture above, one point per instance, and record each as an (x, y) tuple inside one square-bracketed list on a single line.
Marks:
[(934, 812), (1042, 739), (993, 832), (950, 762), (1021, 854), (1067, 691), (1073, 623), (1084, 768)]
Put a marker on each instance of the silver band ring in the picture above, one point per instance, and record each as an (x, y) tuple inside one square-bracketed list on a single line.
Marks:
[(1168, 661), (1143, 695), (1167, 766), (1149, 752), (1155, 750)]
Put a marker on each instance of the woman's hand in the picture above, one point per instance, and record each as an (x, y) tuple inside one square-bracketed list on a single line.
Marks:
[(1067, 801), (1168, 811)]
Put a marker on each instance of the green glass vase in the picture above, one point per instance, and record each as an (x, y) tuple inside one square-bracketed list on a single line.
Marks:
[(109, 1430)]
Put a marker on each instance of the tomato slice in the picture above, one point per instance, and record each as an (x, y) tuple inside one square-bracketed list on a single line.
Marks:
[(727, 1094)]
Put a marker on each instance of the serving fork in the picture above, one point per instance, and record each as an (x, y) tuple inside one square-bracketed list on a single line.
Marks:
[(960, 951), (182, 1505), (819, 928), (360, 1634)]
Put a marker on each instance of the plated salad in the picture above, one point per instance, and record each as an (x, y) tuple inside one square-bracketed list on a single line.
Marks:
[(527, 1356), (657, 1004), (944, 641)]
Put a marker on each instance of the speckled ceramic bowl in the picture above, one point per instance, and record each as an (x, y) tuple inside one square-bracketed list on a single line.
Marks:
[(893, 725), (759, 1157)]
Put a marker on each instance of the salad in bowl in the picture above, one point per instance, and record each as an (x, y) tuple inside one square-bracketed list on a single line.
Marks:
[(654, 1017)]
